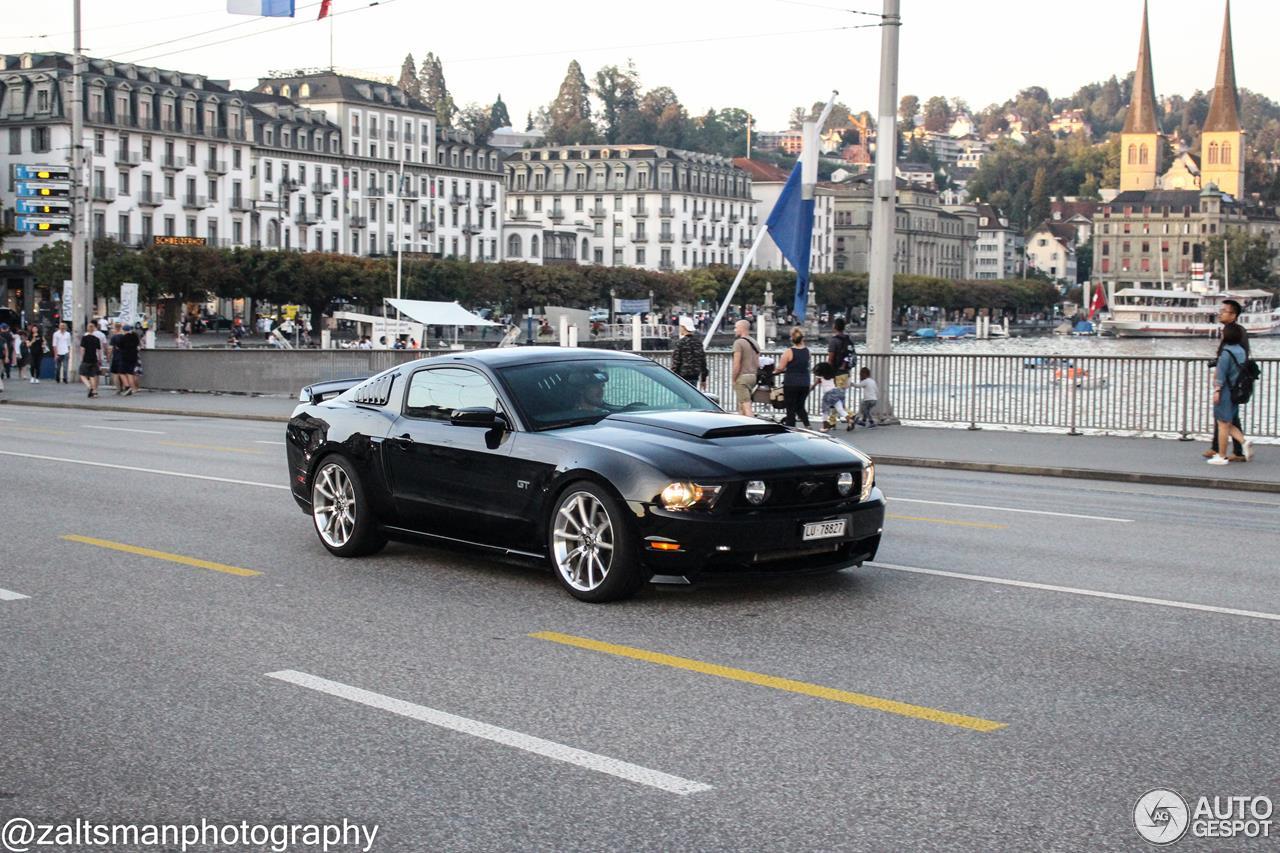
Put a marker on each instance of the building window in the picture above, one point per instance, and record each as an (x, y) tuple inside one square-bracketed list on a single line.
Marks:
[(533, 247), (1213, 152), (1226, 153), (513, 246), (1142, 155), (1133, 155)]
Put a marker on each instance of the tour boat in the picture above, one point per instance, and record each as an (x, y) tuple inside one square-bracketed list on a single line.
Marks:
[(1149, 312)]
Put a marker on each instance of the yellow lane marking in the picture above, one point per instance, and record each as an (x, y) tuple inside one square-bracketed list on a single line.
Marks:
[(8, 428), (210, 447), (162, 555), (863, 700), (981, 524)]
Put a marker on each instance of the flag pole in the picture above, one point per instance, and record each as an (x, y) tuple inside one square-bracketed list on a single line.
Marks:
[(331, 65)]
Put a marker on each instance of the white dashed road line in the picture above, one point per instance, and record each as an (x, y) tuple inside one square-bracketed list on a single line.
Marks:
[(507, 737), (126, 429), (9, 595), (1092, 593), (137, 470), (281, 443), (1013, 509)]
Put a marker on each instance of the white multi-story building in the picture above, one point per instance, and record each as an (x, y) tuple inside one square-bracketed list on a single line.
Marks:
[(929, 239), (767, 182), (305, 162), (999, 250), (1051, 250), (452, 187), (626, 205)]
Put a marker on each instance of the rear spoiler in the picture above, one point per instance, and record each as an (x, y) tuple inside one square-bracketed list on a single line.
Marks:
[(318, 392)]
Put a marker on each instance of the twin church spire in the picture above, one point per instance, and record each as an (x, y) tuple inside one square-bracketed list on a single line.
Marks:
[(1222, 138)]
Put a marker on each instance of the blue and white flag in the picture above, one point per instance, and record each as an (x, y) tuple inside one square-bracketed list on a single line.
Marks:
[(266, 8), (790, 225)]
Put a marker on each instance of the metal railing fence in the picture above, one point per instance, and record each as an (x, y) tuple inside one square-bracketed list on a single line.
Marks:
[(1134, 395)]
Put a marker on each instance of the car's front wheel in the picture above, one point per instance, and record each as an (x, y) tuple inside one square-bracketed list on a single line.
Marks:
[(343, 518), (590, 548)]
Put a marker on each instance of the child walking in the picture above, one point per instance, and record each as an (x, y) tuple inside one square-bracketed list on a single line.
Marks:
[(832, 397), (870, 394)]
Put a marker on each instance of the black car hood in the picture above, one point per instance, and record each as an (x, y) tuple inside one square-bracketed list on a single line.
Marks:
[(713, 444)]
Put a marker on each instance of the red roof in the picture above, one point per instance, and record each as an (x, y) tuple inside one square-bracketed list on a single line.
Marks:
[(761, 172)]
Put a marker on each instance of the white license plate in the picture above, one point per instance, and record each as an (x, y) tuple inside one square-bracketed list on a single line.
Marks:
[(824, 529)]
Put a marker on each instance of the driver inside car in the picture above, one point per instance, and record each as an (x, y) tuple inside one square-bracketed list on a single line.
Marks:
[(588, 389)]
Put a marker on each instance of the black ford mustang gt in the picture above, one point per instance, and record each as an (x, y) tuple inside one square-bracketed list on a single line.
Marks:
[(605, 464)]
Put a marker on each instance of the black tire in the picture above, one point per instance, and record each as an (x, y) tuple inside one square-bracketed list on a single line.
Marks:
[(606, 567), (340, 510)]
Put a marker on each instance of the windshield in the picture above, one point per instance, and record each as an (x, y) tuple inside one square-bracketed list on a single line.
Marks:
[(556, 394)]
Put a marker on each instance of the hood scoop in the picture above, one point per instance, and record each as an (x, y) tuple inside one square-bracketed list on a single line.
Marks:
[(708, 425)]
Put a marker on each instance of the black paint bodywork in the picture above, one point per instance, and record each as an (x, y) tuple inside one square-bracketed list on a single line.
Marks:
[(496, 488)]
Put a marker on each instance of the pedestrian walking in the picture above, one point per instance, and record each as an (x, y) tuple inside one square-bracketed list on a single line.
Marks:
[(870, 396), (61, 352), (794, 367), (842, 357), (90, 348), (746, 364), (19, 348), (1226, 411), (35, 352), (6, 354), (831, 396), (1228, 315), (688, 361), (126, 351), (113, 358), (101, 334)]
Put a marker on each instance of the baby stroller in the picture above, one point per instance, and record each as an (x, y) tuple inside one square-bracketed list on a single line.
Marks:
[(767, 390)]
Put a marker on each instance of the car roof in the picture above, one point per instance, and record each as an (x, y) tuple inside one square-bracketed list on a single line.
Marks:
[(513, 356)]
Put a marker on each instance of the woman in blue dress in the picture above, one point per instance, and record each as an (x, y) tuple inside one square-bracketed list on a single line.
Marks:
[(1230, 363)]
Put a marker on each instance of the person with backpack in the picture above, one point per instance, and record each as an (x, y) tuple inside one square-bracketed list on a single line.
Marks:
[(1228, 315), (842, 357), (1229, 391), (688, 360)]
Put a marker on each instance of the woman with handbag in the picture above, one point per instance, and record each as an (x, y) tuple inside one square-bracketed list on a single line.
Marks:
[(794, 367)]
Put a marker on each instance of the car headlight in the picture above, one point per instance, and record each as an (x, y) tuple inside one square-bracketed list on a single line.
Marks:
[(844, 483), (689, 496), (756, 491), (868, 479)]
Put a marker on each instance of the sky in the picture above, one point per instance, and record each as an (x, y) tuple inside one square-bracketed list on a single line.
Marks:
[(766, 56)]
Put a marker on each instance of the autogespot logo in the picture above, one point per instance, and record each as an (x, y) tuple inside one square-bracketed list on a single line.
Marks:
[(1161, 816)]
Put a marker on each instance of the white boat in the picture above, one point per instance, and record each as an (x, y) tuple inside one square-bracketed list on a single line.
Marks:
[(1152, 312)]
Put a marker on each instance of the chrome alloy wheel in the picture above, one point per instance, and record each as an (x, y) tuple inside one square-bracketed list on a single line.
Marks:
[(333, 505), (582, 541)]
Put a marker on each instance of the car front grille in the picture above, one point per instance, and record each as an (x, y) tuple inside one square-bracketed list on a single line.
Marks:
[(799, 491)]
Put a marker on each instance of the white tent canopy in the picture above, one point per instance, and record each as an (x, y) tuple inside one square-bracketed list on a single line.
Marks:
[(437, 313)]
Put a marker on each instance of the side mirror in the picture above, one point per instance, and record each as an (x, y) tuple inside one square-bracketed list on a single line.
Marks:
[(477, 416), (715, 398)]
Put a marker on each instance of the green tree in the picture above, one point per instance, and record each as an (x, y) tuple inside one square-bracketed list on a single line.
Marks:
[(409, 77), (114, 263), (797, 118), (570, 112), (478, 120), (937, 114), (1250, 257), (908, 108), (1039, 210), (618, 90), (51, 265), (498, 116), (435, 91)]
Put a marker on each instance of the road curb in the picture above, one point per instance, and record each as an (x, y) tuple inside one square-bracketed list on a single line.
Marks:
[(1081, 474), (140, 410)]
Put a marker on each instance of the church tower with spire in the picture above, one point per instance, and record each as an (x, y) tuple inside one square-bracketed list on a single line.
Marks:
[(1140, 138), (1222, 139)]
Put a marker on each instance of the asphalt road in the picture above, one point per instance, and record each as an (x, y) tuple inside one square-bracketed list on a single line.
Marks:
[(921, 703)]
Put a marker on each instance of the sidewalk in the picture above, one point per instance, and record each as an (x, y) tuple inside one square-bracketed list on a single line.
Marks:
[(1135, 460)]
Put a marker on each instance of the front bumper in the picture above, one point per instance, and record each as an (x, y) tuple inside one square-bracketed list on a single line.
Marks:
[(747, 541)]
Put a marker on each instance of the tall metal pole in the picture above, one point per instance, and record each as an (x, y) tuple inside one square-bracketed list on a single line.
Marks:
[(884, 215), (79, 194), (399, 224)]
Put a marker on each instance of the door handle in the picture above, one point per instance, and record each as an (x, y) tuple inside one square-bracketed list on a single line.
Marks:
[(403, 442)]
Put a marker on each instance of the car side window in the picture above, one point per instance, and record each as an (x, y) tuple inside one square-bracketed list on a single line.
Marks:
[(435, 393)]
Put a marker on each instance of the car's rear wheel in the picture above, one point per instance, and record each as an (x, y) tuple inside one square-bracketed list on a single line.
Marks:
[(590, 548), (343, 518)]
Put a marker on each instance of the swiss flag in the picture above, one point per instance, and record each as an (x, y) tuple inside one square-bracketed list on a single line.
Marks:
[(324, 9), (1099, 302)]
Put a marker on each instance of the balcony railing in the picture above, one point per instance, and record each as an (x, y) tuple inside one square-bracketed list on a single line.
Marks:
[(666, 238), (426, 228), (374, 192), (319, 188), (150, 199), (716, 217), (597, 213), (640, 237), (486, 202), (169, 161), (519, 215), (391, 135), (215, 167), (471, 229), (667, 212), (290, 185), (686, 238), (734, 219), (556, 215), (359, 221), (699, 214), (128, 158), (744, 243), (194, 202), (103, 194), (457, 199), (306, 218), (666, 266), (706, 241), (639, 211), (241, 204)]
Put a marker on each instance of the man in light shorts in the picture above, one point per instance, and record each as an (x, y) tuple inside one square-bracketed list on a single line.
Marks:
[(746, 364)]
